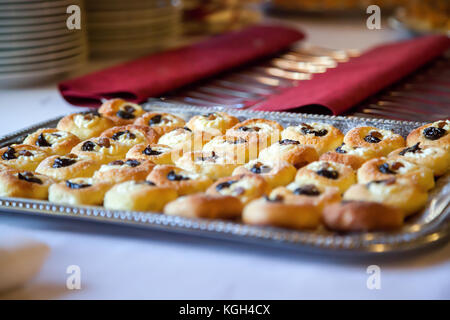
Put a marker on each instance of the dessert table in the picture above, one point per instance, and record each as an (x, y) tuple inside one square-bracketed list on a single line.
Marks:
[(121, 263)]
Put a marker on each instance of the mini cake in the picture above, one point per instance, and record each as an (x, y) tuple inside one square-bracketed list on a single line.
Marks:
[(101, 149), (380, 141), (322, 136), (185, 139), (161, 122), (22, 156), (350, 156), (216, 123), (157, 153), (139, 196), (68, 166), (85, 125), (290, 151), (120, 111), (24, 184), (261, 131), (205, 206), (433, 134), (131, 135), (124, 170), (276, 174), (238, 148), (79, 191), (53, 141)]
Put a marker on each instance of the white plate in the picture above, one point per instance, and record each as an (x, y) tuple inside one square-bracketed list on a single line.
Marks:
[(33, 28), (42, 50), (42, 57), (11, 14), (5, 70), (32, 20), (73, 37), (34, 35)]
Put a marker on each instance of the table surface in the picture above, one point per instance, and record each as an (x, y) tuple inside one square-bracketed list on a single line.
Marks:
[(122, 263)]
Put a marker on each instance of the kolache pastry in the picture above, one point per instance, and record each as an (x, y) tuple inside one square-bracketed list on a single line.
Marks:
[(209, 164), (246, 187), (185, 139), (139, 196), (161, 122), (131, 135), (384, 168), (121, 112), (280, 212), (22, 156), (318, 196), (435, 158), (433, 134), (217, 123), (79, 191), (123, 170), (350, 156), (53, 141), (392, 192), (202, 205), (85, 125), (24, 184), (327, 173), (182, 181), (379, 140), (276, 174), (156, 153), (259, 132), (68, 166), (322, 136), (290, 151), (238, 148), (361, 216), (101, 149)]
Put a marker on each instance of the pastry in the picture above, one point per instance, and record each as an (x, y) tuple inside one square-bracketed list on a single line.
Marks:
[(24, 184), (182, 181), (290, 151), (185, 139), (259, 132), (53, 141), (433, 134), (350, 156), (246, 187), (322, 136), (238, 148), (380, 141), (131, 135), (103, 150), (202, 205), (326, 173), (435, 158), (66, 167), (276, 174), (157, 153), (393, 192), (79, 191), (139, 196), (161, 122), (361, 216), (22, 156), (124, 170), (85, 125), (280, 212), (383, 168), (216, 123), (120, 111)]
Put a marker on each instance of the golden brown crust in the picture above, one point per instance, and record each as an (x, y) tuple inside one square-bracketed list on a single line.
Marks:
[(121, 112), (381, 141), (348, 159), (138, 196), (161, 122), (85, 125), (237, 148), (54, 141), (24, 184), (202, 205), (439, 137), (157, 153), (361, 216), (22, 156), (383, 168), (290, 151), (132, 135), (276, 174), (185, 140), (217, 123), (261, 131), (67, 167), (327, 173), (323, 137), (281, 213), (123, 170), (246, 187), (183, 182), (101, 149)]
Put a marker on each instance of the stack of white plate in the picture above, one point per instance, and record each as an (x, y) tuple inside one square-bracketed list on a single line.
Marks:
[(132, 27), (35, 42)]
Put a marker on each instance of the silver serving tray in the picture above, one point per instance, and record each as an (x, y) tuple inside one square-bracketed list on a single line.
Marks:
[(424, 229)]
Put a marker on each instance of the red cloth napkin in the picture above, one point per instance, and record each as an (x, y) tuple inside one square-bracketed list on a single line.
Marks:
[(351, 82), (158, 73)]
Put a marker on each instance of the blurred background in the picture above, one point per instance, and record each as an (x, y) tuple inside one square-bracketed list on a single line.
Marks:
[(36, 45)]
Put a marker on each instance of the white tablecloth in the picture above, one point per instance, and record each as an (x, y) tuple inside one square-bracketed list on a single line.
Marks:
[(126, 263)]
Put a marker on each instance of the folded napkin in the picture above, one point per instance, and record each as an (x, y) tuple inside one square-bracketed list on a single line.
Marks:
[(153, 75), (21, 258), (351, 82)]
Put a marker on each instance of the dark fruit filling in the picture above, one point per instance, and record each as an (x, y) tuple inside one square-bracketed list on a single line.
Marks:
[(433, 133), (249, 129), (413, 149), (63, 162), (259, 168), (225, 185), (126, 113), (278, 198), (150, 152), (73, 185), (29, 177), (155, 120), (172, 176), (88, 146), (127, 133), (373, 137), (340, 150), (9, 154), (328, 173), (288, 141), (307, 190), (41, 142)]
